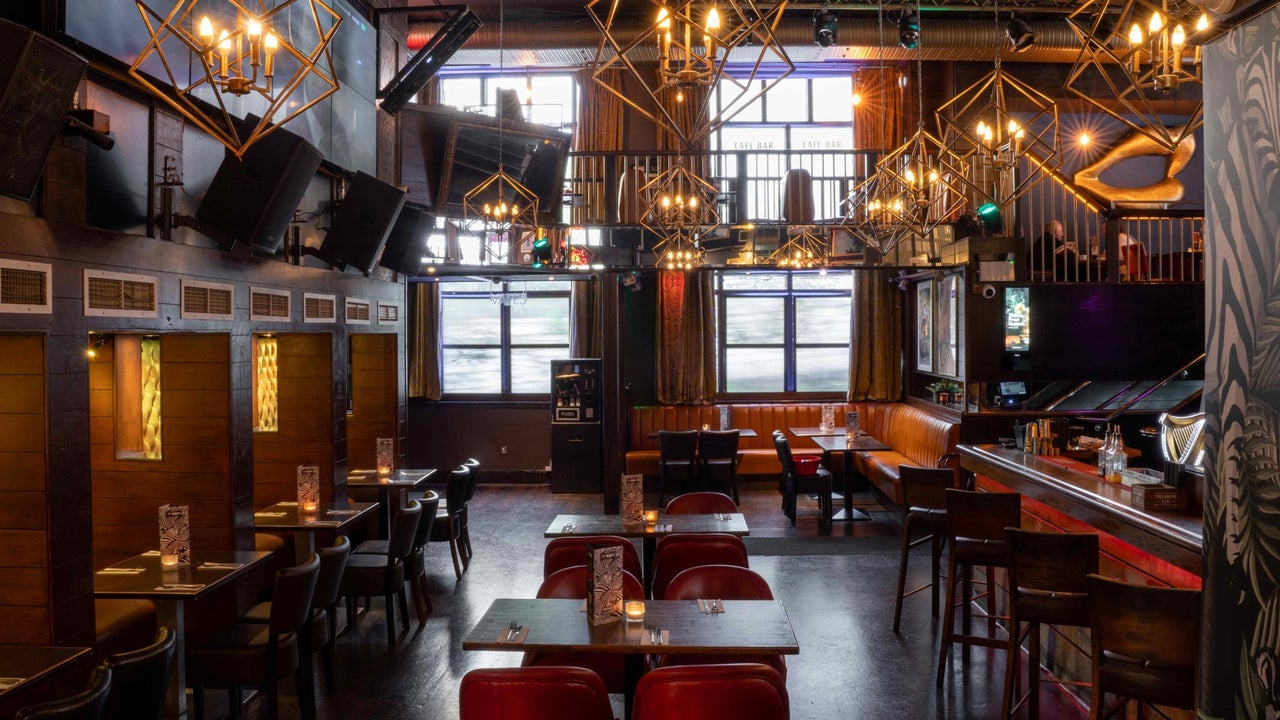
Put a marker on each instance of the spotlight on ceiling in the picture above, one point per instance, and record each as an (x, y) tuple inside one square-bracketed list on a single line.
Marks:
[(989, 216), (824, 28), (1019, 33), (909, 31)]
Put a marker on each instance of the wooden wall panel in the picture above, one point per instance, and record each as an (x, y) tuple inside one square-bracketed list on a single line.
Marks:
[(196, 464), (306, 434), (25, 597), (374, 383)]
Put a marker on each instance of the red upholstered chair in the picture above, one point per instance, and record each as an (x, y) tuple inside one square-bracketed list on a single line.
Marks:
[(571, 583), (739, 691), (533, 693), (722, 582), (566, 552), (676, 553), (701, 503)]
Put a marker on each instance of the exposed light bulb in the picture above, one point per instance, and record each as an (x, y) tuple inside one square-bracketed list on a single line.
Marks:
[(206, 27), (1084, 139), (1203, 23), (1157, 22)]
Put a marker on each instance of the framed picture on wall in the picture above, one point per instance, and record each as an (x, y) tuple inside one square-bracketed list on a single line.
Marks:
[(948, 325), (924, 326), (847, 247)]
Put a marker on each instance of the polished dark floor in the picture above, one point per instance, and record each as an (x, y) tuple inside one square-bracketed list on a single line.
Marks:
[(837, 587)]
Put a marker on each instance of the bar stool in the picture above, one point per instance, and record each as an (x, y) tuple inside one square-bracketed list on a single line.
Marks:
[(1048, 583), (1145, 645), (975, 536), (924, 497)]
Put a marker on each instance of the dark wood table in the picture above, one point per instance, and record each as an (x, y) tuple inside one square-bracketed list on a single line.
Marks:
[(142, 577), (400, 481), (742, 432), (748, 627), (816, 431), (847, 447), (566, 525), (331, 518), (31, 673)]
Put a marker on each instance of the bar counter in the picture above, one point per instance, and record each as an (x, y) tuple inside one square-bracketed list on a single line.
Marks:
[(1073, 500)]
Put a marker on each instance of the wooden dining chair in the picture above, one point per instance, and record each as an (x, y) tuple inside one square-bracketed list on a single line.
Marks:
[(677, 460), (924, 502)]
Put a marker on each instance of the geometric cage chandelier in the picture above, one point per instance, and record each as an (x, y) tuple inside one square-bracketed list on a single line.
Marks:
[(228, 58)]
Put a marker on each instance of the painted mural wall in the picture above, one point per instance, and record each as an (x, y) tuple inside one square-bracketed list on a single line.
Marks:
[(1240, 657)]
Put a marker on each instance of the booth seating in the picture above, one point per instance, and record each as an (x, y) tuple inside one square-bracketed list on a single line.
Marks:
[(916, 436)]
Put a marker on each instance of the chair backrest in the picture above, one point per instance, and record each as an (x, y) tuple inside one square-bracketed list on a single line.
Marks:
[(797, 196), (291, 596), (676, 553), (783, 449), (571, 582), (725, 582), (677, 444), (140, 678), (1182, 438), (563, 552), (701, 503), (977, 515), (333, 562), (924, 487), (736, 691), (427, 520), (537, 692), (718, 444), (404, 530), (473, 474), (89, 704), (455, 489), (1051, 561), (1140, 627)]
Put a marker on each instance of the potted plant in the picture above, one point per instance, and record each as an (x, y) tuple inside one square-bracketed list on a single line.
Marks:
[(954, 391), (940, 391)]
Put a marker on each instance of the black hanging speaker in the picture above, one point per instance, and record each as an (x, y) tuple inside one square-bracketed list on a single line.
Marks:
[(38, 79), (362, 223), (407, 243), (252, 199)]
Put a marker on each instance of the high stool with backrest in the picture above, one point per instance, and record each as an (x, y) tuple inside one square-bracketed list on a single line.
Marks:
[(721, 582), (369, 575), (448, 525), (718, 454), (256, 654), (563, 552), (89, 704), (571, 583), (533, 693), (793, 484), (676, 553), (677, 460), (1146, 645), (140, 678), (701, 503), (737, 691), (975, 537), (924, 501), (1048, 584)]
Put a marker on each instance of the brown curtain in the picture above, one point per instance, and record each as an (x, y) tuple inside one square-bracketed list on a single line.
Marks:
[(686, 338), (599, 130), (875, 353), (424, 340), (885, 117), (585, 339)]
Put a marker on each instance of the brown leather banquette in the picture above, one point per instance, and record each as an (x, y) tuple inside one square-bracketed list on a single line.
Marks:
[(917, 437)]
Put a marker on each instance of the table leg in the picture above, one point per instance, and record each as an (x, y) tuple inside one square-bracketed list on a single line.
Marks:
[(633, 668), (384, 513), (169, 612), (849, 513), (648, 544), (304, 546)]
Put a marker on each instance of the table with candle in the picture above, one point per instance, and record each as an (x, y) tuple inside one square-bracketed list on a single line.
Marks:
[(329, 518), (398, 481)]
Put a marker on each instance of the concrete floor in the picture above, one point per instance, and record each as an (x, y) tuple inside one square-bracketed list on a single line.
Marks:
[(840, 600)]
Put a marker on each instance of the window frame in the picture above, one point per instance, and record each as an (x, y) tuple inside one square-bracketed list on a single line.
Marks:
[(789, 294)]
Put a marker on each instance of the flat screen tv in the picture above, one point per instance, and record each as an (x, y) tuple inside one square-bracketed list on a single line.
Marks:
[(533, 156)]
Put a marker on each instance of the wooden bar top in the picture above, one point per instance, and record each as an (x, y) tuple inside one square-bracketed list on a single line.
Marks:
[(1176, 537)]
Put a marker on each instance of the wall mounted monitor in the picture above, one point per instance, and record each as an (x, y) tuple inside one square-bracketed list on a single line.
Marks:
[(1017, 319)]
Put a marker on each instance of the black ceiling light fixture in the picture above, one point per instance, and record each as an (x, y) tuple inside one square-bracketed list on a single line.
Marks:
[(909, 30), (824, 28), (1020, 33)]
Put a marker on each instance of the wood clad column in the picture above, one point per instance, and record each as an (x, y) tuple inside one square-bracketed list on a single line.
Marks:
[(615, 397), (375, 397), (304, 402)]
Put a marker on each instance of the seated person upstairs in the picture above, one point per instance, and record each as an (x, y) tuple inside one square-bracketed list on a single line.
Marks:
[(1052, 257)]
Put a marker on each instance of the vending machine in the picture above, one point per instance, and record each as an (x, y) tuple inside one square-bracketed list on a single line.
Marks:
[(577, 443)]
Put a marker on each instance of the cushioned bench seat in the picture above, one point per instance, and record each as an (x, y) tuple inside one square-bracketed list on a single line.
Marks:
[(121, 625)]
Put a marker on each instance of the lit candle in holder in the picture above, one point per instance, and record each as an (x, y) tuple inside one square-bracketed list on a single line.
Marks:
[(650, 517), (309, 506), (634, 610)]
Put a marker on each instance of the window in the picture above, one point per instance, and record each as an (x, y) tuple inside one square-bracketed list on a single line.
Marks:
[(784, 332), (500, 338)]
